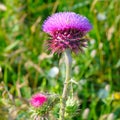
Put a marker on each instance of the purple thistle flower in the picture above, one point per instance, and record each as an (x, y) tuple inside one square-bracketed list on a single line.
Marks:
[(38, 100), (66, 30)]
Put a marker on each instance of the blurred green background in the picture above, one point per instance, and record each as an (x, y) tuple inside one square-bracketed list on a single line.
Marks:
[(27, 67)]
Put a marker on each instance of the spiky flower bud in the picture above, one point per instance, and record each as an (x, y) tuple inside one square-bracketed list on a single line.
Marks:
[(38, 100)]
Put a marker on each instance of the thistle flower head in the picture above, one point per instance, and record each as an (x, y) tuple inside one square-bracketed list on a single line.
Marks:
[(38, 100), (66, 30)]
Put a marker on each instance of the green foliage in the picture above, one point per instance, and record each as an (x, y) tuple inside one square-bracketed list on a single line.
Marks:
[(25, 66)]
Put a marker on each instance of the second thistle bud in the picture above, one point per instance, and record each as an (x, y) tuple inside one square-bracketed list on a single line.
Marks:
[(72, 108), (42, 104)]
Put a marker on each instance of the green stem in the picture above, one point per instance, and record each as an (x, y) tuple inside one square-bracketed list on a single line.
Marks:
[(68, 62)]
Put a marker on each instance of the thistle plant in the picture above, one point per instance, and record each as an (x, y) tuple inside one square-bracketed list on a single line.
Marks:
[(41, 105), (67, 31)]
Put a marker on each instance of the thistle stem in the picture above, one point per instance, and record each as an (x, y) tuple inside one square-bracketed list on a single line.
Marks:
[(68, 62)]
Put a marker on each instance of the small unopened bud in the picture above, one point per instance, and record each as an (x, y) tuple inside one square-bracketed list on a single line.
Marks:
[(85, 114)]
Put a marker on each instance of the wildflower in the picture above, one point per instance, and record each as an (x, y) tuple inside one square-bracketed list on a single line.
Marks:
[(66, 30), (117, 95), (38, 100)]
